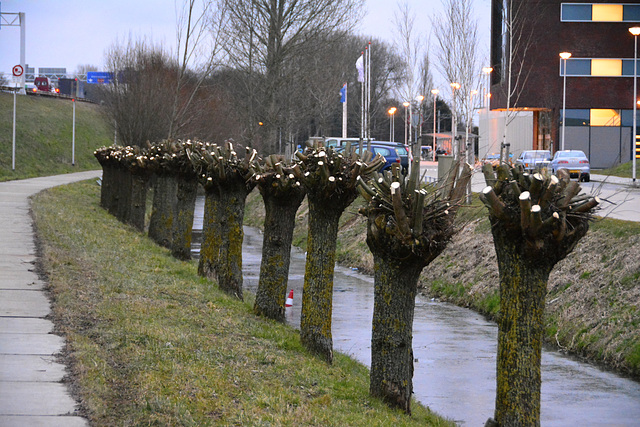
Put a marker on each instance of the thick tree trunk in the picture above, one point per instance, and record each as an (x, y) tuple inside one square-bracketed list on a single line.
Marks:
[(230, 220), (162, 213), (107, 187), (317, 304), (211, 234), (523, 286), (395, 289), (138, 200), (279, 222), (123, 194), (186, 192)]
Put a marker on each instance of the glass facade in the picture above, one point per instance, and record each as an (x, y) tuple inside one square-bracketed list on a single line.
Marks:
[(599, 12), (600, 117)]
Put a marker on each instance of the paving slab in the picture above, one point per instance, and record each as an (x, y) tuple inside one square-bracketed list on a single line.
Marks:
[(33, 344), (35, 398), (30, 368), (25, 325), (23, 303), (42, 421)]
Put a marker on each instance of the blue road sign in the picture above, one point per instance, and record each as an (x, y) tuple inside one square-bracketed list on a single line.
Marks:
[(99, 77)]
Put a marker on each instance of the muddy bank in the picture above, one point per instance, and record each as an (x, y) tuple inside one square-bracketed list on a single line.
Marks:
[(593, 301)]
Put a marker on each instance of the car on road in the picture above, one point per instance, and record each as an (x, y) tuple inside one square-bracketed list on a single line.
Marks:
[(494, 159), (534, 160), (573, 161), (390, 153)]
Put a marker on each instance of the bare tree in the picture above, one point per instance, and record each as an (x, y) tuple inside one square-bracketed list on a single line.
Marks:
[(263, 36), (456, 34), (138, 99)]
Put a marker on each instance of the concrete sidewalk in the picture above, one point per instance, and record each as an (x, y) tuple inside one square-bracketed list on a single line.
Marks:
[(31, 388)]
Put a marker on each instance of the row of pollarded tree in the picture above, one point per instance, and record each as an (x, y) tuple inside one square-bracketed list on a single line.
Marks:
[(536, 221)]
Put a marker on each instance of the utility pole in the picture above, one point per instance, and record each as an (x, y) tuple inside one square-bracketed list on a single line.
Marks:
[(14, 20)]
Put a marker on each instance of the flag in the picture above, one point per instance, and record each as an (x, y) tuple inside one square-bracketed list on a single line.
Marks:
[(343, 94), (360, 68)]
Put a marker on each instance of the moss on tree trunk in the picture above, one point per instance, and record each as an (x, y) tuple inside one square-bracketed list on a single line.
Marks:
[(187, 190), (315, 320), (230, 220), (162, 213), (137, 200), (395, 288), (279, 222), (523, 287), (211, 234)]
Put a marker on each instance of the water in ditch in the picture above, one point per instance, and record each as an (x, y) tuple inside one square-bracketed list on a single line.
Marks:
[(455, 353)]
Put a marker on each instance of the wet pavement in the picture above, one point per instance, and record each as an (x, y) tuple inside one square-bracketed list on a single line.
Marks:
[(455, 354)]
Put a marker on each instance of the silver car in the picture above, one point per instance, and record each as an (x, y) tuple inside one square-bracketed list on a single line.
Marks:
[(533, 160), (573, 161)]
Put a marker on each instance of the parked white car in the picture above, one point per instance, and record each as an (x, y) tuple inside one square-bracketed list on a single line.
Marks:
[(573, 161), (533, 160)]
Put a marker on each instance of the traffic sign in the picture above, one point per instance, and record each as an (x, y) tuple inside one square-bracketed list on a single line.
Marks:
[(18, 70), (99, 77)]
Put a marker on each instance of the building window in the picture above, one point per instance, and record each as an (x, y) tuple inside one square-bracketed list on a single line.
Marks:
[(599, 12), (599, 67), (577, 117), (605, 117)]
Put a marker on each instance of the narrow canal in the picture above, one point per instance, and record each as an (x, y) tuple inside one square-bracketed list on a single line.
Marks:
[(455, 351)]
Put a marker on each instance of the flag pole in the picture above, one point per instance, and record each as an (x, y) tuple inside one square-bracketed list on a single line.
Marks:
[(344, 111)]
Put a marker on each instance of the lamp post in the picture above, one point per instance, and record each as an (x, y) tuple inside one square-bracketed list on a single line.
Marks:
[(391, 112), (435, 96), (564, 56), (405, 104), (635, 31), (466, 127), (454, 120), (487, 96)]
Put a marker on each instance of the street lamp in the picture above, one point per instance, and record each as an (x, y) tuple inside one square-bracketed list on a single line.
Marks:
[(406, 104), (466, 127), (454, 119), (487, 71), (433, 149), (391, 112), (564, 56), (635, 31)]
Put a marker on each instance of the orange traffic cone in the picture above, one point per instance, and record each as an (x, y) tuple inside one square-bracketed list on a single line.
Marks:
[(289, 301)]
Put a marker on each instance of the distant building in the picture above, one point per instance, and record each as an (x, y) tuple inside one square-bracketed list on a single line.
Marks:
[(599, 78)]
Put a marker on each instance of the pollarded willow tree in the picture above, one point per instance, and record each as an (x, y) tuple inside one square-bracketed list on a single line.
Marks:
[(536, 221), (330, 180), (164, 193), (227, 181), (282, 193), (407, 228)]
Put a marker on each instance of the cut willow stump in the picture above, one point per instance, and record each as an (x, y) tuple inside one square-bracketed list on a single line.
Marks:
[(407, 228), (282, 194), (227, 181), (536, 221), (330, 180), (161, 221)]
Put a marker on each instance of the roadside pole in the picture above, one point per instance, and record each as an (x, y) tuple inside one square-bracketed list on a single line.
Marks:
[(73, 135), (13, 142)]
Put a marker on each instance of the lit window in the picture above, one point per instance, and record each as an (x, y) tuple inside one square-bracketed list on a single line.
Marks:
[(599, 12), (606, 67), (577, 67), (606, 12), (605, 117)]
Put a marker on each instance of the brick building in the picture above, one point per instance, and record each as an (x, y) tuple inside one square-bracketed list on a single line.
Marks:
[(599, 77)]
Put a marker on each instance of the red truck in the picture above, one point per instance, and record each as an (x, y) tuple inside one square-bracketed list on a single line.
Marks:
[(43, 84)]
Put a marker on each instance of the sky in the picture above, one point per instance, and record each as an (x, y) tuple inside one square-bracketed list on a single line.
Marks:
[(68, 33)]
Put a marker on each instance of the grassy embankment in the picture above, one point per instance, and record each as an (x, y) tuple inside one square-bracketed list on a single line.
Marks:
[(44, 136), (593, 301), (151, 343)]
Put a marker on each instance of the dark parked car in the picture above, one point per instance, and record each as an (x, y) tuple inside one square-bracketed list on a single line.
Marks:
[(390, 153), (573, 161), (533, 160)]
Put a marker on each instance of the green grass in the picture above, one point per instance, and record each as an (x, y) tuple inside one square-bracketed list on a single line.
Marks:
[(44, 136), (624, 170), (151, 343)]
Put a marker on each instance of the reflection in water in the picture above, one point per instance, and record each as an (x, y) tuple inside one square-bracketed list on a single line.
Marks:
[(454, 350)]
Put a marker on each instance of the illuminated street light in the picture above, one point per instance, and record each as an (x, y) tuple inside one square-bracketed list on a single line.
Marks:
[(391, 112), (564, 56), (406, 105), (435, 93), (454, 119), (487, 97), (635, 31)]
